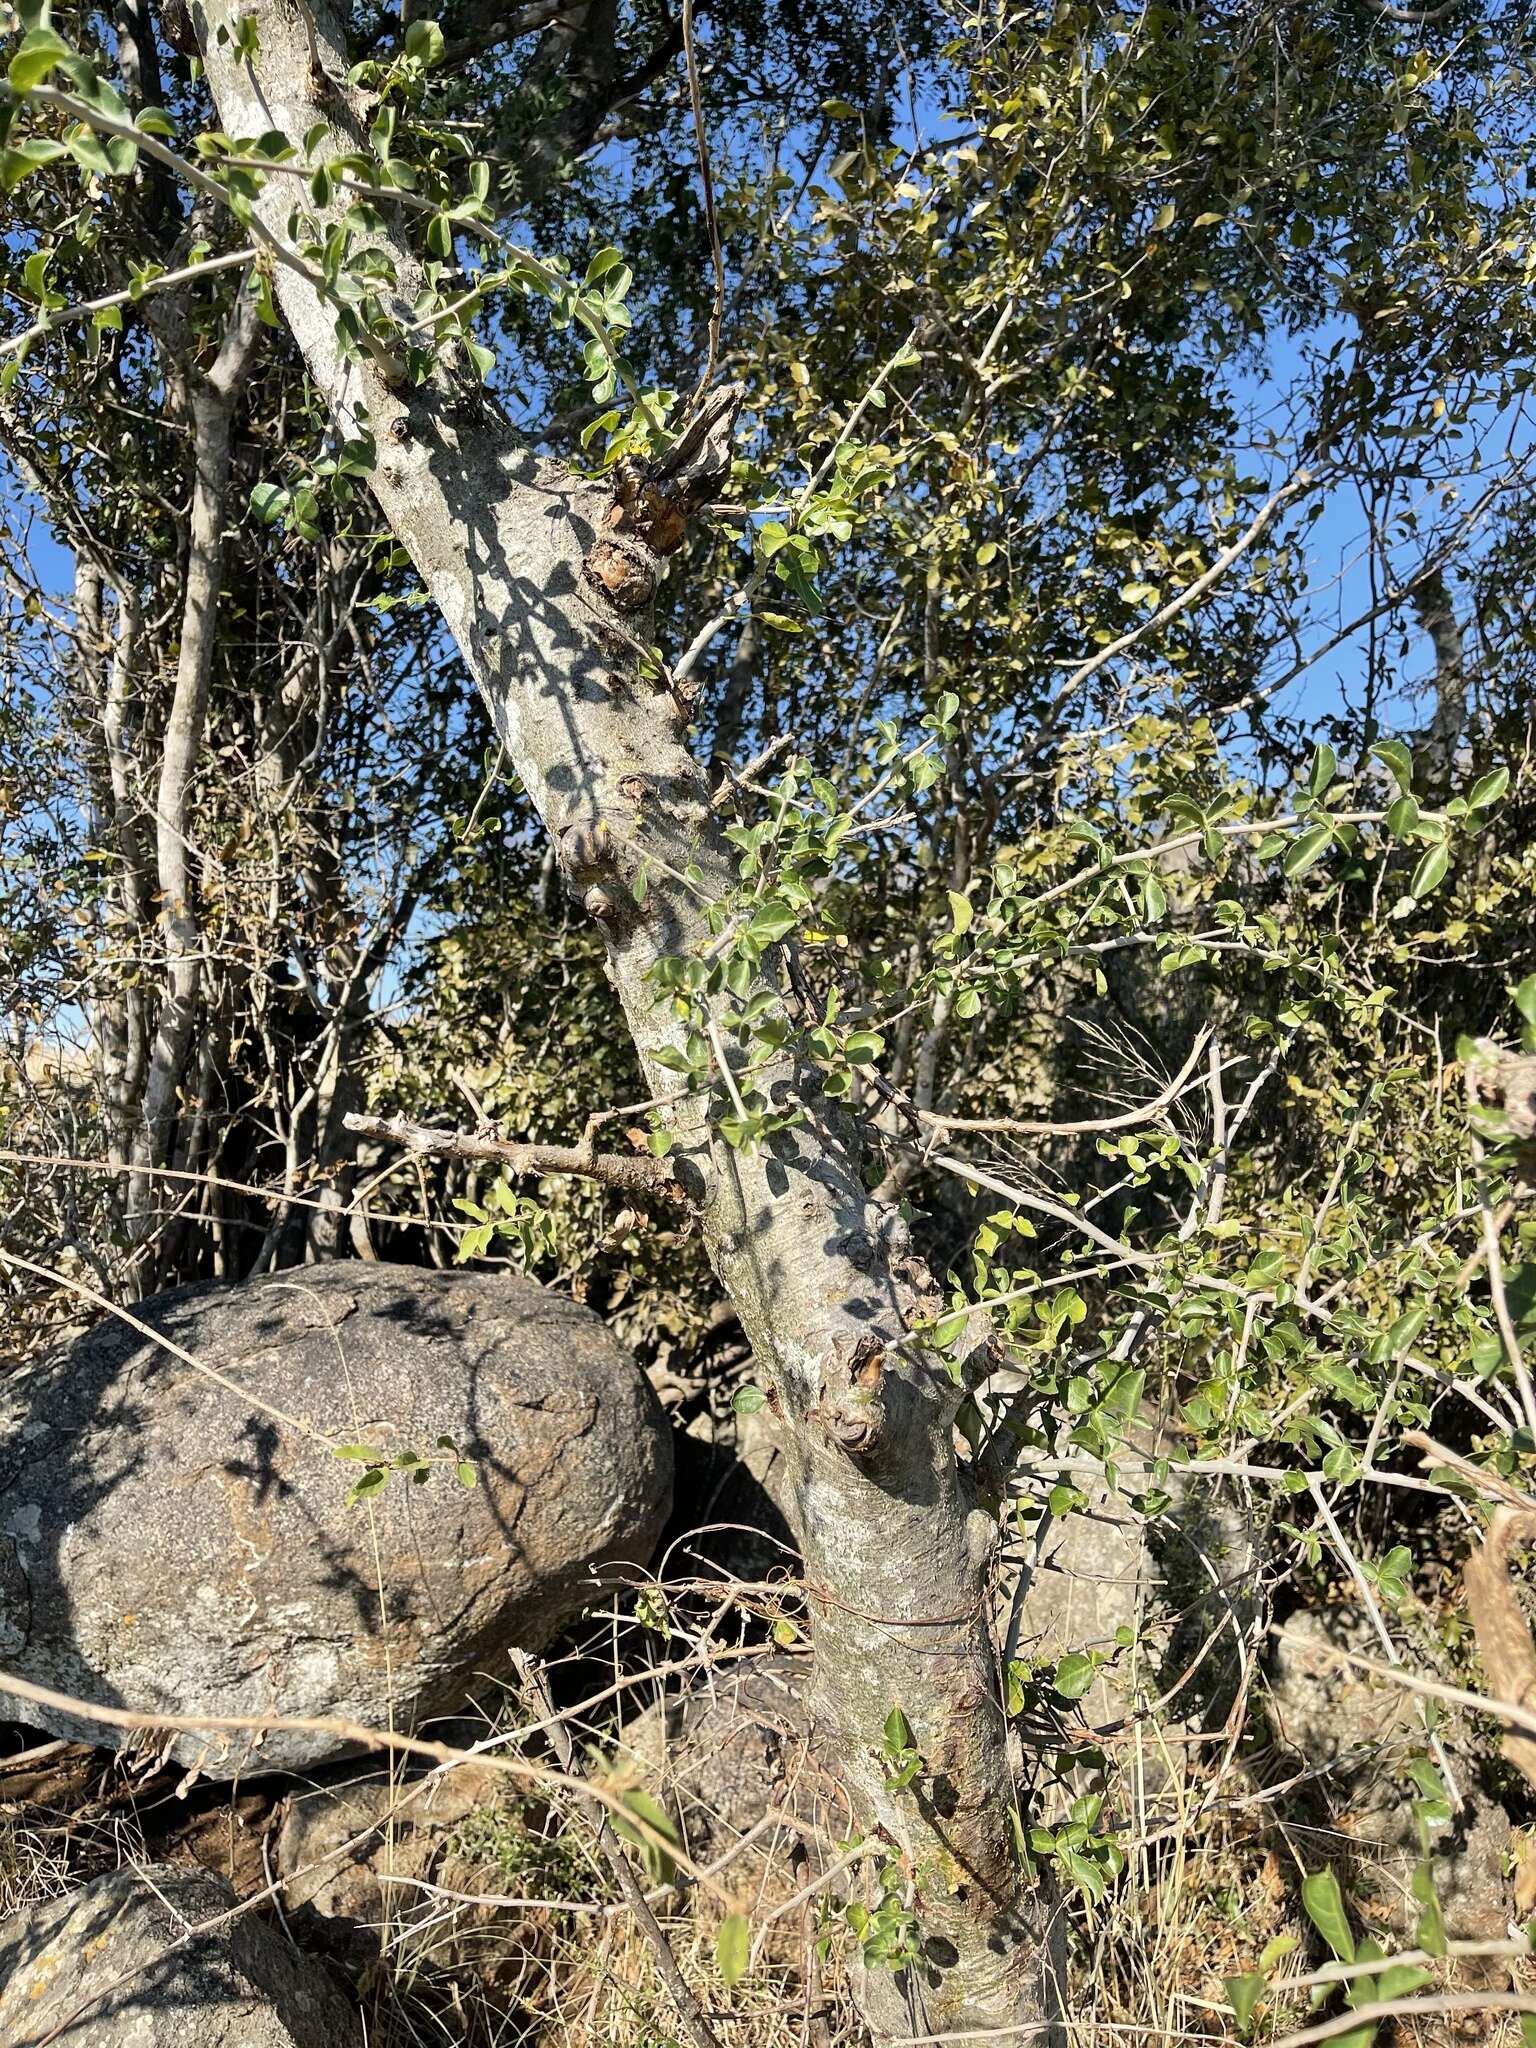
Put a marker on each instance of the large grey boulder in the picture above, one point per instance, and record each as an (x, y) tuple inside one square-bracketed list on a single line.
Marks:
[(177, 1543), (115, 1966)]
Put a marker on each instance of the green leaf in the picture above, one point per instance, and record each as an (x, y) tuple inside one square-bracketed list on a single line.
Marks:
[(34, 278), (40, 51), (1402, 816), (1487, 789), (370, 1483), (771, 923), (109, 156), (747, 1400), (1304, 850), (1429, 873), (1430, 1934), (1405, 1331), (1325, 765), (466, 1475), (961, 911), (1400, 1981), (1243, 1994), (269, 502), (1074, 1676), (898, 1733), (657, 1824), (26, 157), (365, 1454), (1324, 1906), (1396, 757), (424, 43), (1525, 998), (733, 1948)]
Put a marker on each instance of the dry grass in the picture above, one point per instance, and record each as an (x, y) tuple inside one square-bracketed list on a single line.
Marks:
[(515, 1937)]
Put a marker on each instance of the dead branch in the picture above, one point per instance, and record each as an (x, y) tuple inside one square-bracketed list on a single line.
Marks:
[(636, 1173), (1503, 1638), (1144, 1113)]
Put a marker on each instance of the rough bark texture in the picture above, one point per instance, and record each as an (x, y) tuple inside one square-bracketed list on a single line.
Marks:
[(549, 605), (1437, 615)]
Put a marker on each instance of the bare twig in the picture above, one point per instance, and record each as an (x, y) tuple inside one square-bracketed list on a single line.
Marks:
[(1487, 1483), (1373, 1610), (1144, 1113), (1290, 489), (635, 1173), (1511, 1712), (58, 316), (711, 220), (1360, 2017), (689, 2009)]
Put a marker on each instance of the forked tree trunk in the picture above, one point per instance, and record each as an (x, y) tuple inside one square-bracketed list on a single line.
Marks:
[(894, 1546)]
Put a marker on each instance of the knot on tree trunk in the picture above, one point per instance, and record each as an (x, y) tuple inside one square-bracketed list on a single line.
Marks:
[(654, 500), (587, 851), (624, 570), (852, 1405)]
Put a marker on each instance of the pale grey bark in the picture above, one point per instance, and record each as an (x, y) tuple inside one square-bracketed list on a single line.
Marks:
[(123, 1085), (212, 398), (893, 1542)]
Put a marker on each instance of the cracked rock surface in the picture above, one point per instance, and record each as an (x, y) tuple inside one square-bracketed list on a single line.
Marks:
[(111, 1966), (180, 1543)]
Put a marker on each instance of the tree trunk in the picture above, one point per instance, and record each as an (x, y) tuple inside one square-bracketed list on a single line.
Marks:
[(213, 399), (894, 1545)]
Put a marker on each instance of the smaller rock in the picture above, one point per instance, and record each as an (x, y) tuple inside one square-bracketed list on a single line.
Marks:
[(356, 1855), (112, 1966), (723, 1755), (1180, 1589), (1367, 1730)]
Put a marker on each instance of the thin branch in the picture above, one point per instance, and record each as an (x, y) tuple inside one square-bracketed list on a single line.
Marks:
[(1144, 1113), (1508, 1335), (60, 315), (711, 221), (1292, 488), (1510, 1712), (1383, 1633), (1360, 2018), (635, 1173), (1416, 17), (355, 1733)]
